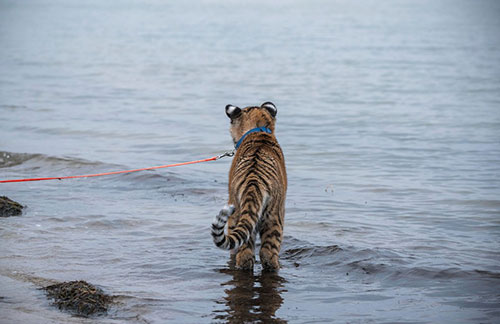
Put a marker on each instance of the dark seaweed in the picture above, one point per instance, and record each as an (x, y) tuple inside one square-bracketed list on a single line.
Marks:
[(79, 297), (9, 207)]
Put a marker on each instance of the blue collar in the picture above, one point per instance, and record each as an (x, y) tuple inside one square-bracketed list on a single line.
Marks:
[(253, 130)]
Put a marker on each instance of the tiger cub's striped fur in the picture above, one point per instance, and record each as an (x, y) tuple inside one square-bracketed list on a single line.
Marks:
[(257, 189)]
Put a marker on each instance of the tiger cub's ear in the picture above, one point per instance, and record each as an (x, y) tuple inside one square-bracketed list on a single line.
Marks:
[(232, 111), (270, 107)]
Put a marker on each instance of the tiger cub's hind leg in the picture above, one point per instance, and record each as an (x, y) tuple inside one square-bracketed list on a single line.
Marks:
[(245, 257), (271, 235)]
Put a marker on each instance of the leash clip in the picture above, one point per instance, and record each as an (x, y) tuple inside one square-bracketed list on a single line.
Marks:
[(228, 153)]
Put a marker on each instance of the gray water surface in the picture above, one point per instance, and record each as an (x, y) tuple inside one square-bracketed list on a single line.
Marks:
[(388, 115)]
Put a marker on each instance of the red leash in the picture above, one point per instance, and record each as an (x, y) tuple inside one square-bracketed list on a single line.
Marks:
[(125, 171)]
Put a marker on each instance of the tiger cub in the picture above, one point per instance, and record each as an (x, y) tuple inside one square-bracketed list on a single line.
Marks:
[(257, 189)]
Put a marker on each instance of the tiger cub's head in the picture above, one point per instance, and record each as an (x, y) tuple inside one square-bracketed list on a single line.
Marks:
[(243, 120)]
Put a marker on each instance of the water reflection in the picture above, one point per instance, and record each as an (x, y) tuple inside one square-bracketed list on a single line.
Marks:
[(251, 298)]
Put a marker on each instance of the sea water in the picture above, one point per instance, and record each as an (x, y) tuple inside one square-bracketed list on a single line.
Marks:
[(388, 116)]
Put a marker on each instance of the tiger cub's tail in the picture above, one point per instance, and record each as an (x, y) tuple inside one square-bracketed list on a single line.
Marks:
[(218, 226), (243, 230)]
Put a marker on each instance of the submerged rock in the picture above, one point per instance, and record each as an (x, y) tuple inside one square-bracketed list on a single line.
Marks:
[(9, 207), (79, 297)]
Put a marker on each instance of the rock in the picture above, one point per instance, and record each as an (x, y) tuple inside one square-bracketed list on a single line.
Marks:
[(9, 207), (79, 297)]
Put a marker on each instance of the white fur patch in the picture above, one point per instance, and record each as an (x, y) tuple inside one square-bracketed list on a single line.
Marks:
[(228, 209), (269, 105), (230, 109)]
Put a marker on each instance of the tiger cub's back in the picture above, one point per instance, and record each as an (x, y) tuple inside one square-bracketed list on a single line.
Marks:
[(257, 188)]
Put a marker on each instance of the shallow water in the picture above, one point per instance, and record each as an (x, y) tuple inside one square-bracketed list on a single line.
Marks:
[(388, 115)]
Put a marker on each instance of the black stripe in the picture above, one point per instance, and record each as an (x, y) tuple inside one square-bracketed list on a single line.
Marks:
[(271, 245), (251, 214), (217, 228), (268, 171), (217, 234), (274, 233), (231, 243), (271, 165), (264, 183), (248, 199), (280, 221), (246, 224), (238, 234), (255, 183), (250, 207), (263, 228), (247, 109), (267, 139)]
